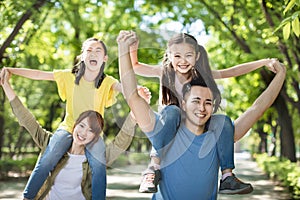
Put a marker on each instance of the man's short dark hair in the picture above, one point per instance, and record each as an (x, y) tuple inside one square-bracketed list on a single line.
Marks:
[(197, 81)]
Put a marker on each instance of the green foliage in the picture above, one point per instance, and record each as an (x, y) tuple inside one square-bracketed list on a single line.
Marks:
[(131, 158), (286, 172), (16, 166), (291, 22), (239, 32)]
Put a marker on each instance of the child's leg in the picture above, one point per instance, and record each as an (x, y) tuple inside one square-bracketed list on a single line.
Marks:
[(95, 154), (151, 176), (58, 145), (225, 146), (165, 131), (229, 184)]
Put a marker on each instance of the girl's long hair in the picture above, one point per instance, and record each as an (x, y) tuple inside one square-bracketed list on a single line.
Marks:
[(202, 67), (79, 67)]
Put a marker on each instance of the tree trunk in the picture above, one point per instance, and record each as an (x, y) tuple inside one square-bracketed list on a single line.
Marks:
[(263, 144), (287, 140)]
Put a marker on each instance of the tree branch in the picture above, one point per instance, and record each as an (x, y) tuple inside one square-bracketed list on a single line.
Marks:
[(38, 4), (242, 43)]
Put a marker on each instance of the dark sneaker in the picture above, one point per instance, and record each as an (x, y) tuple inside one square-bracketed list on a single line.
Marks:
[(150, 180), (233, 185)]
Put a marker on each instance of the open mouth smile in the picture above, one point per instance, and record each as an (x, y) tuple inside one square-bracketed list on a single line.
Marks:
[(81, 138), (93, 62), (183, 66), (200, 115)]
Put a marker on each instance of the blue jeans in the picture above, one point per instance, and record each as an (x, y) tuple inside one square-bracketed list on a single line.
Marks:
[(58, 145), (96, 157), (225, 143), (169, 120)]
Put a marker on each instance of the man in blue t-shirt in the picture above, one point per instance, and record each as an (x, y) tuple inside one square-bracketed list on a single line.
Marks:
[(188, 151), (185, 138)]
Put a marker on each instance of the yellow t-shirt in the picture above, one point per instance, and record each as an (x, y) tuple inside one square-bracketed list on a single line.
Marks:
[(83, 97)]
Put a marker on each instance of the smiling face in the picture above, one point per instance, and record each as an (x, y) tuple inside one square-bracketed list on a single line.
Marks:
[(93, 55), (82, 133), (198, 107), (183, 57)]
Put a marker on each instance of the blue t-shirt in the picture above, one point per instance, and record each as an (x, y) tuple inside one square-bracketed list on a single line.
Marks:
[(189, 169)]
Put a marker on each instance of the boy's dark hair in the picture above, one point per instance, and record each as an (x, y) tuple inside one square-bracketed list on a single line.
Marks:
[(199, 81), (79, 68)]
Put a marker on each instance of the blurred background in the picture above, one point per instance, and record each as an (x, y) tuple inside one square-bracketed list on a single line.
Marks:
[(47, 35)]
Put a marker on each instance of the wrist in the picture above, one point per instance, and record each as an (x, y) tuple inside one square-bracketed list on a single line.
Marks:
[(266, 60), (123, 49)]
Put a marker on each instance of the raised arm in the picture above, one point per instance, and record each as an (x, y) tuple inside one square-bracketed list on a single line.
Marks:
[(143, 113), (244, 68), (122, 141), (143, 69), (244, 122), (25, 118), (124, 138), (32, 73)]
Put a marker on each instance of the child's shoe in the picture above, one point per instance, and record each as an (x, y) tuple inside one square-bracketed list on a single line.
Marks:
[(233, 185), (150, 180)]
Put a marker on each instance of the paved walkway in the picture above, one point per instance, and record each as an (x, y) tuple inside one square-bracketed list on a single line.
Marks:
[(123, 184)]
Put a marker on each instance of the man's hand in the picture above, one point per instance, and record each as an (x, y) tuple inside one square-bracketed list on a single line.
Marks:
[(279, 67)]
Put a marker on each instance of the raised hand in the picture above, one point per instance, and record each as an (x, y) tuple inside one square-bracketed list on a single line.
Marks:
[(4, 75), (145, 93), (127, 38), (270, 64)]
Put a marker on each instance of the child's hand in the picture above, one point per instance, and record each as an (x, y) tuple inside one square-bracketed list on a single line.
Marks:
[(4, 75), (127, 38), (134, 46), (145, 93), (270, 64)]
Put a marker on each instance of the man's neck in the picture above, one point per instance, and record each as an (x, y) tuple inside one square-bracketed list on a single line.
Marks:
[(195, 129)]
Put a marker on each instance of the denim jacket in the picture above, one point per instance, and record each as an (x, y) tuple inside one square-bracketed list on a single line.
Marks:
[(41, 138)]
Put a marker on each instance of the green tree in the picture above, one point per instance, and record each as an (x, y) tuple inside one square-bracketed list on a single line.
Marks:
[(239, 31), (243, 31)]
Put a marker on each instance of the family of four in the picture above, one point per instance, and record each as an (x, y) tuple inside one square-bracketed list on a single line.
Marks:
[(190, 141)]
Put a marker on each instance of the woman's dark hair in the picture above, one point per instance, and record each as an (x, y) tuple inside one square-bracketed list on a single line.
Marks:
[(202, 67), (95, 121), (79, 67)]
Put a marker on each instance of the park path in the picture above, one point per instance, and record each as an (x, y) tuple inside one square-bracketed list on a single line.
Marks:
[(123, 184)]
